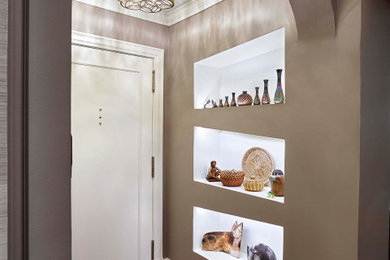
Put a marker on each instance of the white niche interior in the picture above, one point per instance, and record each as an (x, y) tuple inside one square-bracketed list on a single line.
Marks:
[(241, 68), (228, 149), (254, 233)]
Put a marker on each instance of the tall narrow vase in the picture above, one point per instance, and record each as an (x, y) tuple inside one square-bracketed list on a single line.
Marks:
[(257, 100), (265, 99), (279, 95), (233, 103), (226, 102)]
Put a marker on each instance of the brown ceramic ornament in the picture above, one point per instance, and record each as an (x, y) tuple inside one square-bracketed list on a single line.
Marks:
[(244, 99)]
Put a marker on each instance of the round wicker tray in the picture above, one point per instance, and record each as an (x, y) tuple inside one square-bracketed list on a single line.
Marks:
[(258, 162)]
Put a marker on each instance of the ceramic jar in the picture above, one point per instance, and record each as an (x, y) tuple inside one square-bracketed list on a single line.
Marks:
[(244, 99), (277, 185)]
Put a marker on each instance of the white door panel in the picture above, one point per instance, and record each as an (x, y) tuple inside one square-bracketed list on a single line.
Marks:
[(112, 149)]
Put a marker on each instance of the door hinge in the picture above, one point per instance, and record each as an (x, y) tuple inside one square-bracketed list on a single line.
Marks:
[(152, 167), (152, 250), (154, 81)]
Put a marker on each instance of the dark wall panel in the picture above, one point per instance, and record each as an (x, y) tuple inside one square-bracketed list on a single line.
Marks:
[(375, 131), (3, 128), (49, 146)]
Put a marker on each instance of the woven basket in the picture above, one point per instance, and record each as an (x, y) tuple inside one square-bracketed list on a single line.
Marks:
[(253, 184), (232, 178)]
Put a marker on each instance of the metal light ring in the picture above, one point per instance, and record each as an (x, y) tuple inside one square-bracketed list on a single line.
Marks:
[(147, 6), (130, 5)]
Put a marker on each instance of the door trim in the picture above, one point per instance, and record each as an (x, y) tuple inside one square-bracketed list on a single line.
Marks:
[(157, 55)]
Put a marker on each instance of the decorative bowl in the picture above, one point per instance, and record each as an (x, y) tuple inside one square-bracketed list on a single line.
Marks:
[(232, 178)]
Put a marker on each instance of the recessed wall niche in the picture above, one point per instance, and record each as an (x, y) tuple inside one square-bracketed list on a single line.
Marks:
[(241, 68), (254, 233), (228, 149)]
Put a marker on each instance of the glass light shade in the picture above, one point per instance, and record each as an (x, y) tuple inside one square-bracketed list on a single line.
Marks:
[(147, 6)]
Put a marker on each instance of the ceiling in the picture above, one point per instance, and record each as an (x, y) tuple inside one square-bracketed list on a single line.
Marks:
[(182, 10)]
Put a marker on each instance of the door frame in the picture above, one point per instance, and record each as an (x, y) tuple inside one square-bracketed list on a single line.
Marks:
[(157, 55)]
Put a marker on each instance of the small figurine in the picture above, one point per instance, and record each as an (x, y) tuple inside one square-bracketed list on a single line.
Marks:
[(226, 242), (214, 103), (213, 173), (207, 103), (271, 195)]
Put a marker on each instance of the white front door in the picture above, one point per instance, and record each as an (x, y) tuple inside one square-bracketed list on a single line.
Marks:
[(112, 98)]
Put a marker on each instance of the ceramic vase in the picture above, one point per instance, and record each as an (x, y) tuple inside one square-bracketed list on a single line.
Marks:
[(265, 100), (220, 103), (226, 102), (244, 99), (257, 100), (233, 103), (279, 95)]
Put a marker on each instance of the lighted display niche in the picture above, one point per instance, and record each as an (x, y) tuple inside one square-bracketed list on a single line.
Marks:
[(210, 227), (228, 149), (241, 68)]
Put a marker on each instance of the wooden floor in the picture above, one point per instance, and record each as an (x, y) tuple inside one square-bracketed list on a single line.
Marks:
[(3, 129)]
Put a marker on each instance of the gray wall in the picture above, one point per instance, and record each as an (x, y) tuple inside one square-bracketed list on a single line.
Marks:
[(375, 131), (3, 129)]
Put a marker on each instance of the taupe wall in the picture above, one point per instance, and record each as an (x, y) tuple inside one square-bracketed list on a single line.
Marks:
[(320, 122), (375, 138), (3, 128), (89, 19)]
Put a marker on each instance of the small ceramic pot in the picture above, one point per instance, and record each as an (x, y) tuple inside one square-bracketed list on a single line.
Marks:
[(244, 99)]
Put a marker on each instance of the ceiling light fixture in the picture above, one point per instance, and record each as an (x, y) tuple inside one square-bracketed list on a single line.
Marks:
[(147, 6)]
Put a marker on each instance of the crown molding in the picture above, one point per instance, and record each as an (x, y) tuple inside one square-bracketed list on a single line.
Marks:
[(187, 10), (166, 18)]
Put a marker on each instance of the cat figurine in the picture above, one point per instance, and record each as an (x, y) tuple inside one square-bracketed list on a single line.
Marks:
[(260, 252), (227, 242)]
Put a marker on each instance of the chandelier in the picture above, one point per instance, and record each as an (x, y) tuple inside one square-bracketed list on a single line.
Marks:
[(147, 6)]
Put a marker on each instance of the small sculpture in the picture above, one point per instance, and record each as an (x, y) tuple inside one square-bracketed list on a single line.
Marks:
[(213, 173), (260, 252), (271, 195), (214, 103), (227, 242), (277, 185), (207, 103)]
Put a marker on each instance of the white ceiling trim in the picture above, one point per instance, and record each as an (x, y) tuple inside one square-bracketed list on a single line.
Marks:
[(167, 18)]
